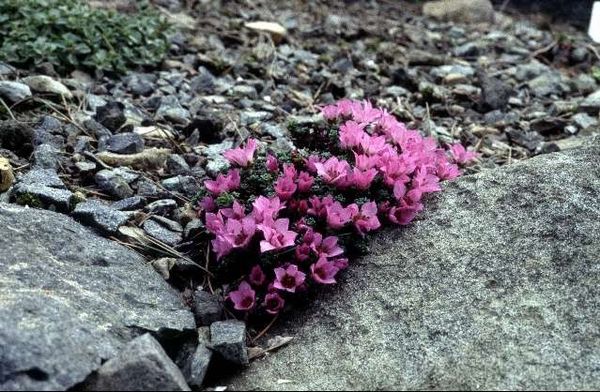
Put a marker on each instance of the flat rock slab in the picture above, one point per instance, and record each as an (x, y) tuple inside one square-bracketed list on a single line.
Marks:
[(70, 299), (497, 286)]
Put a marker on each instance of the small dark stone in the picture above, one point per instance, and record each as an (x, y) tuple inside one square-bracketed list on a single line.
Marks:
[(46, 156), (194, 359), (130, 203), (494, 93), (142, 365), (176, 164), (161, 207), (228, 339), (96, 129), (100, 215), (44, 189), (161, 233), (125, 143), (111, 115), (113, 183), (207, 308)]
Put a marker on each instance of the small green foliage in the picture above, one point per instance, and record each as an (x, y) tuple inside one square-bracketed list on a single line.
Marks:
[(28, 199), (226, 199), (596, 73), (70, 34)]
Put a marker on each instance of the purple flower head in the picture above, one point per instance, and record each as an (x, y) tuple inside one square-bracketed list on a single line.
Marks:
[(276, 235), (240, 232), (242, 156), (324, 271), (372, 145), (244, 297), (288, 279), (363, 112), (318, 207), (351, 134), (362, 179), (208, 204), (338, 216), (460, 154), (404, 213), (272, 164), (365, 219), (305, 182), (235, 212), (224, 183), (264, 209), (326, 247), (214, 222), (285, 187), (221, 245), (257, 277), (290, 171), (273, 303), (341, 263), (310, 163), (423, 182), (334, 171)]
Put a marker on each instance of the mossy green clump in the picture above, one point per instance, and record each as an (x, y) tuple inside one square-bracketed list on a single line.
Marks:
[(28, 199), (71, 34)]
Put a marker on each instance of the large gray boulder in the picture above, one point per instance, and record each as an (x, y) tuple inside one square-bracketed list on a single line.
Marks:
[(497, 286), (70, 300)]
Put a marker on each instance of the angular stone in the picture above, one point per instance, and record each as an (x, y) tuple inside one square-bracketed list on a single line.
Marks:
[(42, 188), (162, 233), (176, 164), (72, 299), (591, 103), (207, 308), (195, 359), (100, 215), (495, 286), (125, 143), (111, 115), (14, 92), (131, 203), (142, 365), (228, 339), (161, 207), (111, 182)]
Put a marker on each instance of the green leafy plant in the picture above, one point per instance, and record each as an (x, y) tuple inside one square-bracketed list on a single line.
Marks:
[(596, 73), (70, 34)]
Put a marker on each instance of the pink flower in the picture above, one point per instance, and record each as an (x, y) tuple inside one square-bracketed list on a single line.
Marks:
[(208, 204), (362, 179), (363, 112), (366, 162), (324, 271), (244, 297), (460, 154), (303, 252), (341, 263), (290, 171), (351, 133), (257, 276), (272, 164), (305, 182), (318, 207), (224, 183), (326, 247), (242, 156), (372, 145), (236, 211), (423, 182), (273, 303), (399, 190), (338, 216), (334, 171), (366, 219), (404, 213), (265, 209), (397, 168), (214, 222), (285, 187), (276, 234), (222, 246), (311, 161), (240, 232), (288, 279), (446, 170)]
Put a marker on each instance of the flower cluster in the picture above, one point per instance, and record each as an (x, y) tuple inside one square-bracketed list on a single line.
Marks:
[(290, 238)]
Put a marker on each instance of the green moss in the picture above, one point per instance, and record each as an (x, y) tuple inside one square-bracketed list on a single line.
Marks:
[(28, 199), (596, 73), (70, 34)]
